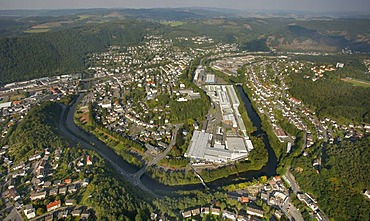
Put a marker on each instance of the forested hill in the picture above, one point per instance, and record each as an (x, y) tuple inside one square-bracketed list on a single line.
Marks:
[(60, 52), (340, 184), (35, 132), (57, 42)]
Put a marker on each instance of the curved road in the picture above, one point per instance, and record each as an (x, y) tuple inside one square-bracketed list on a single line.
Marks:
[(69, 128), (158, 158)]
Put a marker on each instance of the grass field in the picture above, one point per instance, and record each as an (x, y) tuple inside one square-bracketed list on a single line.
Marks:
[(38, 30), (173, 23), (17, 97), (82, 17), (355, 82)]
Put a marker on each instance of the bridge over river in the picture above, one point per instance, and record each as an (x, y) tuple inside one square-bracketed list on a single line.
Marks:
[(137, 177)]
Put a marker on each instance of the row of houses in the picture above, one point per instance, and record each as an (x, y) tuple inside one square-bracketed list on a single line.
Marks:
[(203, 211)]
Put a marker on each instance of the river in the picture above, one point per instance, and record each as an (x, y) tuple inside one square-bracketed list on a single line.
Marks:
[(268, 170)]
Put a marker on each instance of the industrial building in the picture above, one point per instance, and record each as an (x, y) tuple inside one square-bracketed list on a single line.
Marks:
[(200, 149), (233, 144)]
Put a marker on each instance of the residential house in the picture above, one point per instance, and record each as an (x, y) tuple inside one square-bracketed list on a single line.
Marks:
[(11, 184), (85, 215), (70, 202), (205, 210), (229, 215), (63, 214), (53, 192), (278, 214), (254, 212), (57, 183), (88, 160), (53, 206), (38, 196), (68, 181), (242, 218), (72, 188), (264, 196), (18, 205), (186, 214), (47, 184), (63, 190), (277, 179), (76, 212), (195, 212), (243, 199), (13, 194), (367, 194), (85, 182), (216, 211), (29, 211)]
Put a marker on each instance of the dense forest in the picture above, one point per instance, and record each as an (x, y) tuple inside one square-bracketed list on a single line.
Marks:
[(309, 37), (332, 97), (112, 199), (61, 47), (53, 53), (340, 184), (38, 130)]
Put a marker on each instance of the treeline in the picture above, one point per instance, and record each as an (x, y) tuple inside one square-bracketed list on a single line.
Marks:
[(173, 206), (255, 45), (37, 131), (353, 65), (172, 177), (113, 199), (333, 98), (53, 53), (192, 109), (339, 186)]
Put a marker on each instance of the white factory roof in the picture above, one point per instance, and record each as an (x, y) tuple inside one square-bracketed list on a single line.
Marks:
[(235, 148), (210, 78), (200, 148), (236, 144), (249, 145), (198, 144), (233, 96)]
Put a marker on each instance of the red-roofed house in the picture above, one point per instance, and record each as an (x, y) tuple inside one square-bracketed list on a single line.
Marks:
[(67, 181), (88, 160), (277, 179), (295, 100), (243, 199), (53, 206)]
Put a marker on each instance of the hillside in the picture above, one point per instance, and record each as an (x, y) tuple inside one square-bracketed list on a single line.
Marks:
[(328, 36), (341, 182), (53, 53), (46, 45), (36, 132)]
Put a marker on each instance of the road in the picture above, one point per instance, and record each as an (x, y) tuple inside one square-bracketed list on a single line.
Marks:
[(51, 212), (296, 189), (293, 183), (160, 156), (69, 128), (14, 215), (291, 211)]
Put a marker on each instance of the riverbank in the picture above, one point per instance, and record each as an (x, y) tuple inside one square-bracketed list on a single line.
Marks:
[(262, 160)]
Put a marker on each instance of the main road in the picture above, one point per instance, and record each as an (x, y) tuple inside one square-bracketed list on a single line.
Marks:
[(130, 174)]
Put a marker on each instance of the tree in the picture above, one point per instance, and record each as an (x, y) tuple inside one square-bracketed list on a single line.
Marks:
[(40, 211)]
